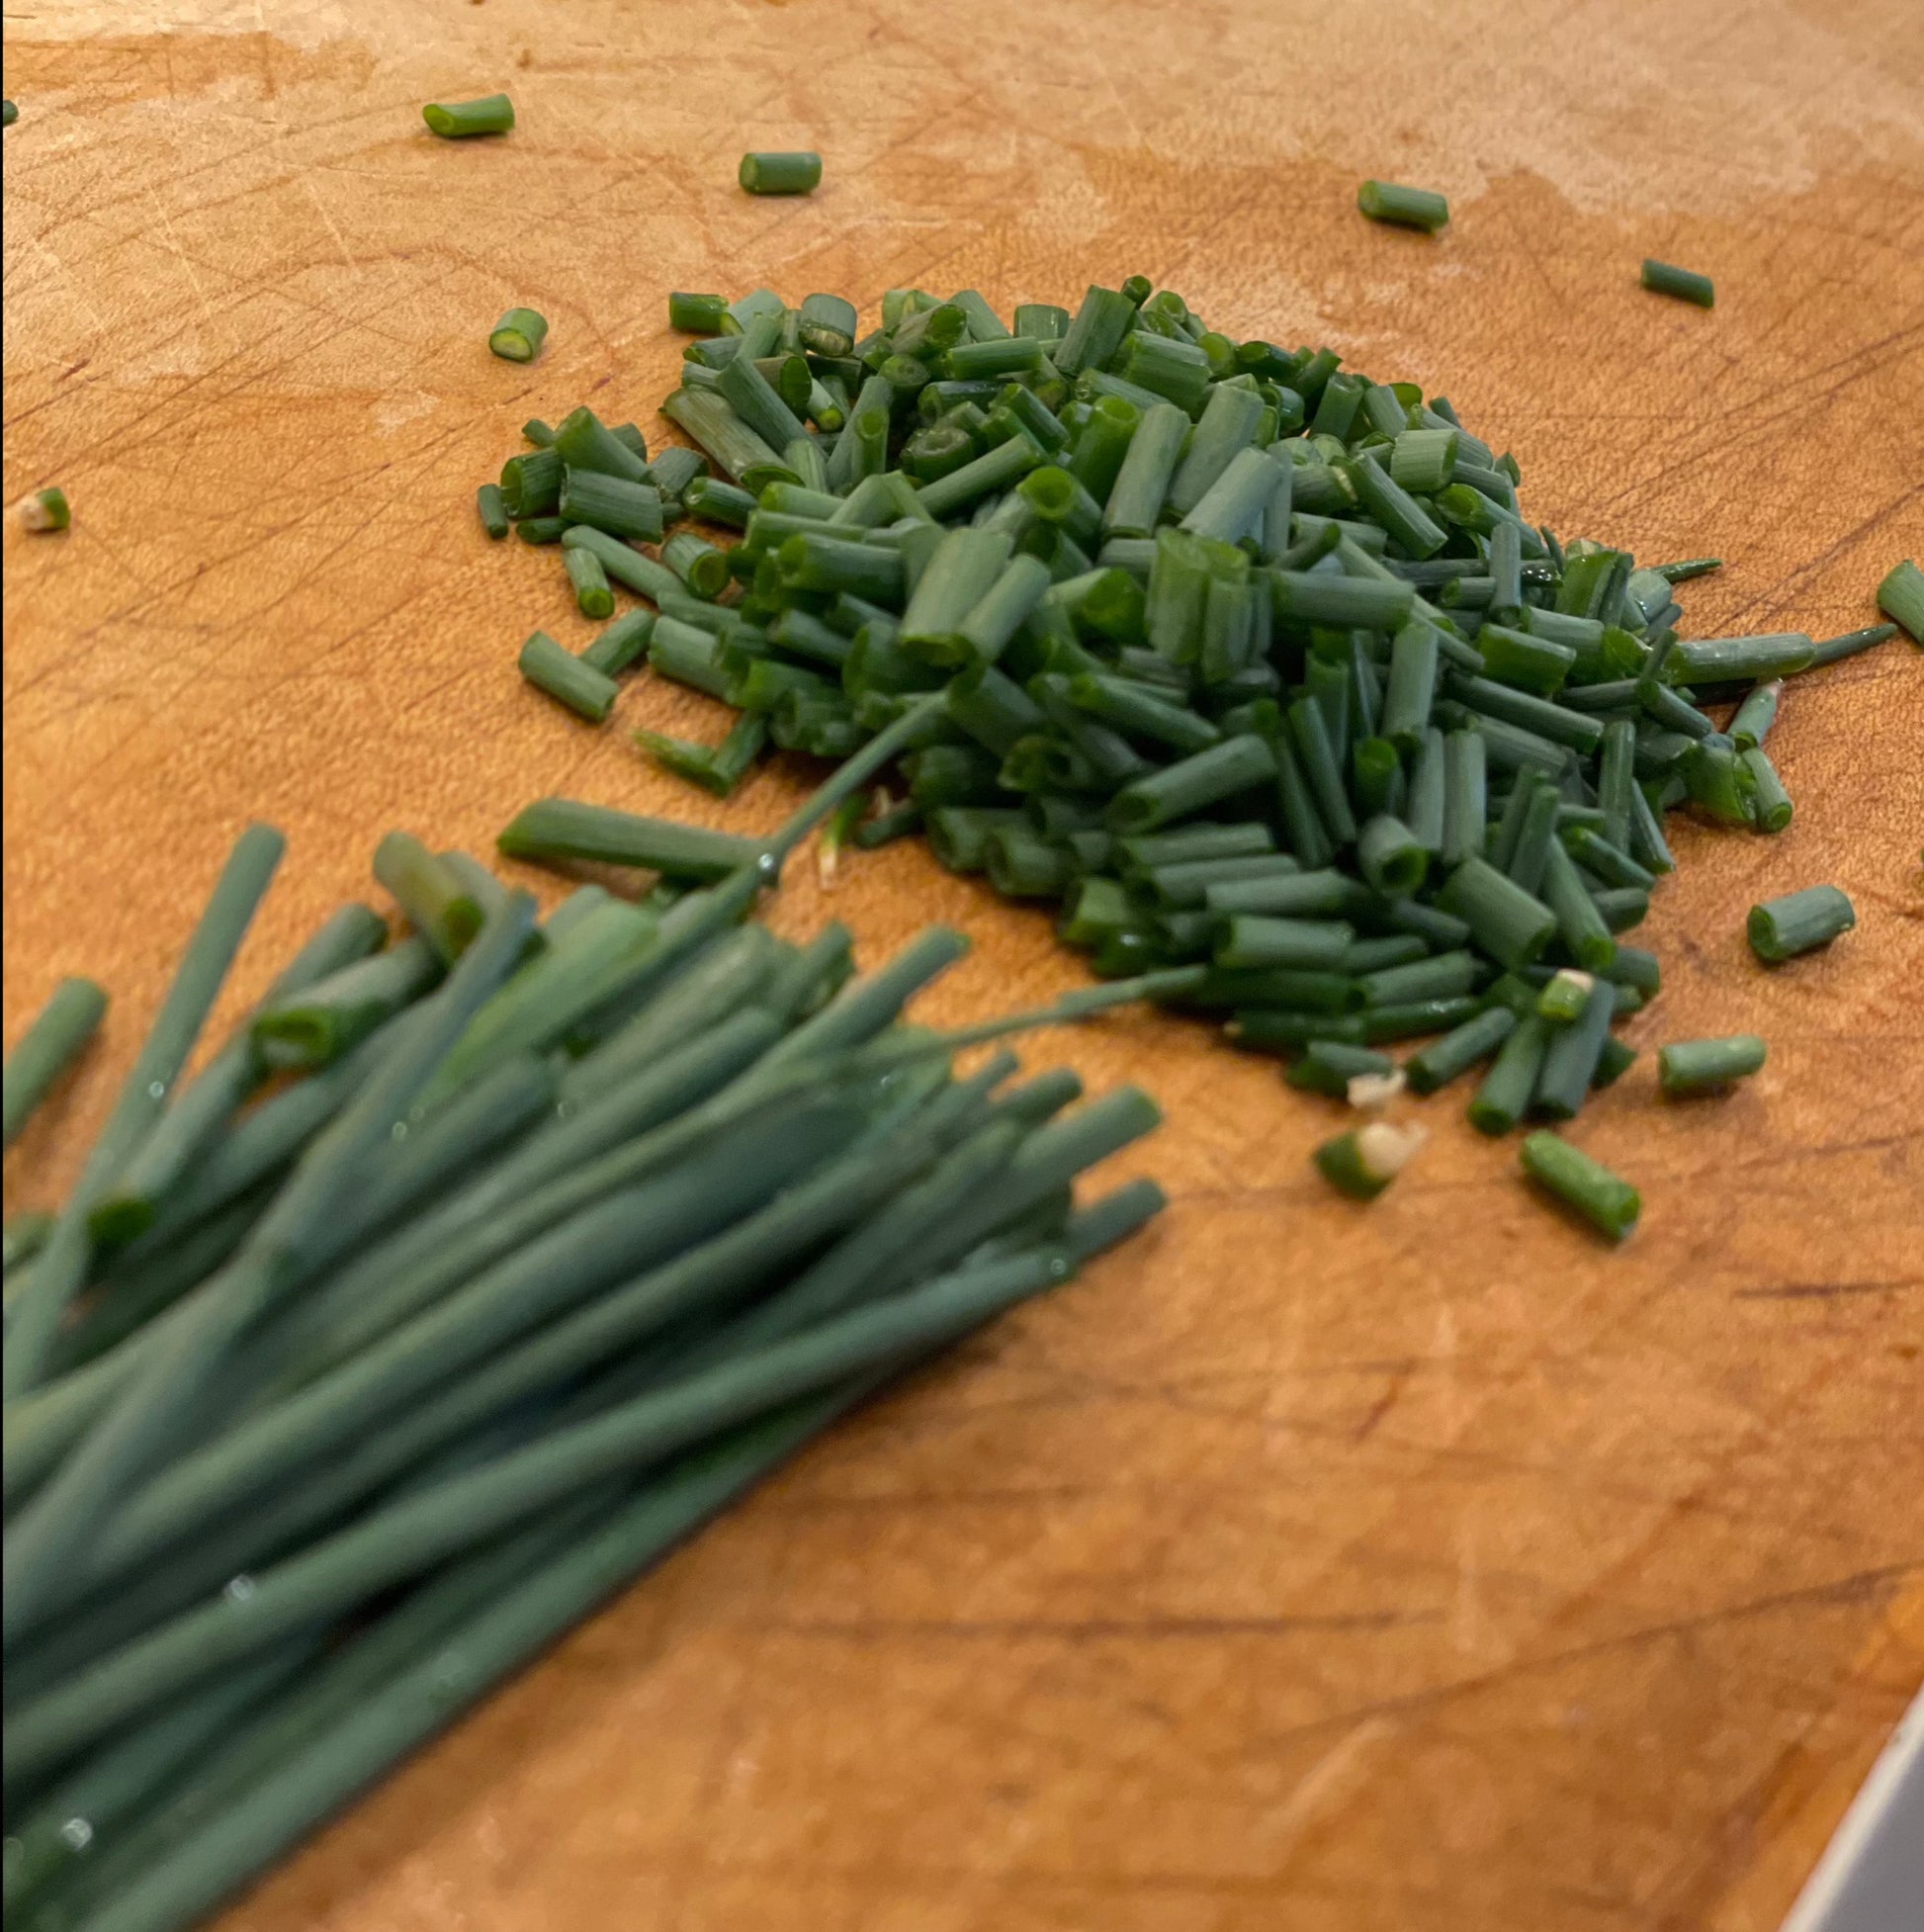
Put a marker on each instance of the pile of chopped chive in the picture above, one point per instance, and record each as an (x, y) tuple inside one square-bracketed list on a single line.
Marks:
[(1238, 660), (477, 1268)]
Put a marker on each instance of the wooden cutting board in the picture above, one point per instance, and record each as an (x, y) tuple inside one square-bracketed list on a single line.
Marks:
[(1422, 1566)]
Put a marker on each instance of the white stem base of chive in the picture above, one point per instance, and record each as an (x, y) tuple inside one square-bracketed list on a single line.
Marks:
[(1375, 1090), (1385, 1150)]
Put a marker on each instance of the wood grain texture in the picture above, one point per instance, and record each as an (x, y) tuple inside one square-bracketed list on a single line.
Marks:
[(1420, 1568)]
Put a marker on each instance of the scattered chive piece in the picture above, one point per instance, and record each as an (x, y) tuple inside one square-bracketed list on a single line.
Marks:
[(493, 513), (1690, 1067), (45, 510), (568, 679), (780, 174), (1565, 997), (1799, 923), (622, 644), (1900, 596), (518, 335), (592, 594), (55, 1040), (9, 113), (430, 892), (1329, 1066), (1434, 1066), (1687, 285), (1609, 1203), (1365, 1159), (1405, 208), (491, 113), (698, 314), (563, 828)]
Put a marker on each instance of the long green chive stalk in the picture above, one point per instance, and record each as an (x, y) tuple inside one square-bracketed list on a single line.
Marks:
[(427, 1351), (1104, 578)]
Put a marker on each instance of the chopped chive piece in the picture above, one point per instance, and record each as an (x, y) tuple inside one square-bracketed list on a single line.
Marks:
[(616, 504), (1364, 1161), (624, 642), (1407, 208), (9, 113), (491, 113), (1505, 1096), (1563, 1000), (1464, 1047), (1329, 1066), (622, 561), (1607, 1202), (780, 174), (1900, 596), (518, 335), (592, 594), (45, 510), (564, 829), (697, 315), (1570, 1058), (1682, 573), (1771, 809), (1692, 1067), (493, 513), (571, 680), (718, 502), (697, 562), (56, 1038), (1799, 923), (1683, 283), (1510, 924)]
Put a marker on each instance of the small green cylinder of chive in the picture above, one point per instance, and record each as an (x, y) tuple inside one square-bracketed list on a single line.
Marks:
[(1563, 1000), (1460, 1049), (1392, 859), (1604, 1199), (588, 692), (697, 562), (1771, 809), (1900, 596), (1404, 207), (624, 642), (518, 335), (611, 503), (45, 510), (1178, 790), (1691, 1067), (1570, 1057), (1799, 923), (1365, 1159), (1505, 1096), (491, 510), (697, 315), (594, 596), (1663, 279), (780, 174), (491, 113), (1329, 1066)]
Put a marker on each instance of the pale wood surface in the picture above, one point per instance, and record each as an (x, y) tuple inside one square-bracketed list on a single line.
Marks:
[(1423, 1568)]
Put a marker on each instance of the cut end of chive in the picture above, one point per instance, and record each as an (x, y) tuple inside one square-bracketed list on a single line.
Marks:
[(45, 510), (1900, 596), (1607, 1201), (780, 174), (491, 113), (518, 335), (1664, 278), (1364, 1161), (1403, 207), (1375, 1090), (1799, 923)]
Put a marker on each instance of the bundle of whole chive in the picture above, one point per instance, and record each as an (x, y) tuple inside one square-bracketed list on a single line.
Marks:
[(1245, 661), (563, 1234)]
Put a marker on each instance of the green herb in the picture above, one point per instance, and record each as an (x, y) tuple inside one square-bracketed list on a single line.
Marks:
[(1799, 923), (1900, 596), (1365, 1159), (45, 510), (58, 1036), (519, 334), (1408, 208), (780, 174), (571, 680), (493, 113), (1683, 283), (1692, 1067)]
